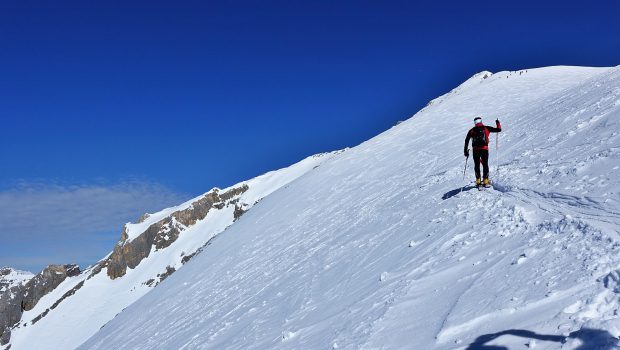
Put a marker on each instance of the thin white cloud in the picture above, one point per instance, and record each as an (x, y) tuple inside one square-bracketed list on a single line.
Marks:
[(69, 223)]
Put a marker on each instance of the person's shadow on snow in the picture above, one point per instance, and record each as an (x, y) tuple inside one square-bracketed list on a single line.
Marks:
[(591, 339), (456, 191)]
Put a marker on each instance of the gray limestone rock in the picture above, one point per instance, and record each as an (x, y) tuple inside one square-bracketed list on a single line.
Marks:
[(128, 254)]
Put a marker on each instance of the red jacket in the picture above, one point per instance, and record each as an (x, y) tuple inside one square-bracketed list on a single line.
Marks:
[(487, 131)]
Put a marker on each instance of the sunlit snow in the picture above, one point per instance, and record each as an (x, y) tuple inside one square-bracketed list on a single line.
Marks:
[(385, 246)]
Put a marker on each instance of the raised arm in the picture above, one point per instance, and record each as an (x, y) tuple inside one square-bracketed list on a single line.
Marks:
[(498, 127)]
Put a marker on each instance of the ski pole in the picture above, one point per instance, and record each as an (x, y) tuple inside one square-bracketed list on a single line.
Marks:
[(464, 170), (497, 153)]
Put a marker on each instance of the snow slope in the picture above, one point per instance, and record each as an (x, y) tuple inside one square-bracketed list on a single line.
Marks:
[(383, 248), (81, 305)]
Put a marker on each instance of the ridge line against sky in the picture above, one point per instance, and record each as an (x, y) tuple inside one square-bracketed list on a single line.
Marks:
[(201, 94)]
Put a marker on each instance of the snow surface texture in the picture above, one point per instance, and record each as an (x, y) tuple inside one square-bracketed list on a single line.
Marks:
[(80, 315), (382, 247)]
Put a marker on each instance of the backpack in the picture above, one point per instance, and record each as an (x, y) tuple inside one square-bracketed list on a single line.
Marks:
[(479, 137)]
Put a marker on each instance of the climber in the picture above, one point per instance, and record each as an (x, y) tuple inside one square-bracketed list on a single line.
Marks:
[(479, 136)]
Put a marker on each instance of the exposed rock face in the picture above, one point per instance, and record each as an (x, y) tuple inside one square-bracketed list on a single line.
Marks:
[(25, 296), (161, 276), (6, 336), (11, 290), (10, 311), (46, 281), (128, 254), (238, 211)]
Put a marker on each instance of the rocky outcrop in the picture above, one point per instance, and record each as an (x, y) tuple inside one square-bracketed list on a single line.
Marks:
[(10, 311), (238, 211), (128, 254), (45, 282), (5, 336), (161, 276), (23, 297)]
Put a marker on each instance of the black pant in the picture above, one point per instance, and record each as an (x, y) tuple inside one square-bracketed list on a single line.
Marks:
[(481, 156)]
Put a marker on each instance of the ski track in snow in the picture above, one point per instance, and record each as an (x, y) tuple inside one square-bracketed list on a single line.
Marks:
[(365, 253)]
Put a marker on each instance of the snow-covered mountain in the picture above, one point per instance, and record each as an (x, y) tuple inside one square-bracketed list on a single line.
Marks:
[(383, 248), (76, 306), (10, 278), (383, 245)]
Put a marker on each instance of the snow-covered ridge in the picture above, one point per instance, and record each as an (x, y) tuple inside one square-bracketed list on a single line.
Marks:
[(387, 247), (261, 186), (486, 77), (467, 84), (82, 304)]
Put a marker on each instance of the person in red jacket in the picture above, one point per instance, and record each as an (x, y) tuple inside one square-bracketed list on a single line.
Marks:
[(479, 136)]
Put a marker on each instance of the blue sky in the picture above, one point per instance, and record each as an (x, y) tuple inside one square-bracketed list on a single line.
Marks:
[(123, 107)]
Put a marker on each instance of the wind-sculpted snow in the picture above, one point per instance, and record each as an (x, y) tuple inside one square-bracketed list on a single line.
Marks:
[(385, 246)]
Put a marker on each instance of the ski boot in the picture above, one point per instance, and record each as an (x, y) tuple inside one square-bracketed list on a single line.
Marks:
[(486, 183), (478, 182)]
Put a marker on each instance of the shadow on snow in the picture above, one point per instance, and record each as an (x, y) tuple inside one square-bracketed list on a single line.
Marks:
[(456, 191), (591, 339)]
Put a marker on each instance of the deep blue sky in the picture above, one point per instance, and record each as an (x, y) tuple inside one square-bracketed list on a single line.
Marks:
[(184, 96)]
